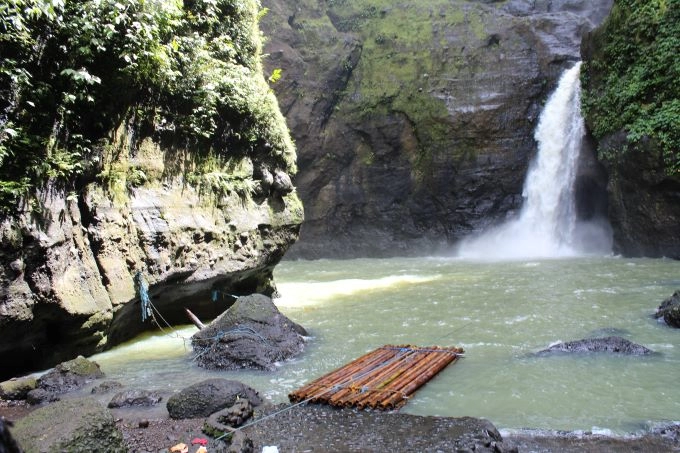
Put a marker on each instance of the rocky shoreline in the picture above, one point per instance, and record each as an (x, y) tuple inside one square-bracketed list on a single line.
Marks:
[(317, 428)]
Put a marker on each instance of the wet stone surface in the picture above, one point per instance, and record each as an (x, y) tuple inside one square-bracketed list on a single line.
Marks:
[(323, 428)]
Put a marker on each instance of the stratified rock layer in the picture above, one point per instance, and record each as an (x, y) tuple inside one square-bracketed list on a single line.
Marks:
[(414, 120)]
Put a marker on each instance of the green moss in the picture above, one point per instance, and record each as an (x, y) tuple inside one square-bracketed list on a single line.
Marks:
[(630, 81), (403, 44), (186, 74)]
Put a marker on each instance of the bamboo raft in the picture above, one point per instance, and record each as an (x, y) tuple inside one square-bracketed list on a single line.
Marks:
[(381, 379)]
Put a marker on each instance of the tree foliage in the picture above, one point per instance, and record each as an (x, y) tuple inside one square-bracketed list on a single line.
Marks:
[(72, 70), (631, 82)]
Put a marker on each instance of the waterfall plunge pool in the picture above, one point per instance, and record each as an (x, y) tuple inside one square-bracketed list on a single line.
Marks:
[(500, 312)]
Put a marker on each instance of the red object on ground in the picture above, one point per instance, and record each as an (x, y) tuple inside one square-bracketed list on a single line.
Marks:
[(199, 440)]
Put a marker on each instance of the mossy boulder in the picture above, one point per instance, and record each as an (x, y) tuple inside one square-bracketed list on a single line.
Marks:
[(70, 375), (73, 425), (17, 388)]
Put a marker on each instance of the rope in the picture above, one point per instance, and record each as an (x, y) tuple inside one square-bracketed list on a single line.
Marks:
[(142, 288)]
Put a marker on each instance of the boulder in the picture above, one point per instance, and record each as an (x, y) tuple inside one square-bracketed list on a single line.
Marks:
[(137, 398), (41, 396), (17, 388), (106, 387), (208, 397), (226, 420), (70, 375), (669, 310), (74, 425), (252, 333), (65, 377), (613, 345)]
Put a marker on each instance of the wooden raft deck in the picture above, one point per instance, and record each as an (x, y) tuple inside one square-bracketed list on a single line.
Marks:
[(380, 379)]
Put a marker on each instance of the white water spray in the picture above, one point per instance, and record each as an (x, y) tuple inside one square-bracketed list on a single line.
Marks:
[(546, 226)]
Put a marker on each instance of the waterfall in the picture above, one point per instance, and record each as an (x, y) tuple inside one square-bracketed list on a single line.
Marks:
[(547, 225)]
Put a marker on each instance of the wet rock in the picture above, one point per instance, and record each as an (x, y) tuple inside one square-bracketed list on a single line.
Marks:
[(17, 388), (615, 345), (7, 442), (41, 396), (322, 428), (208, 397), (70, 375), (77, 425), (135, 398), (282, 183), (669, 310), (106, 387), (252, 333), (670, 432), (224, 421), (240, 443)]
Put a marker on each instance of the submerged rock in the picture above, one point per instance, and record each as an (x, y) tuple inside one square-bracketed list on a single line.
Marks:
[(106, 387), (252, 333), (208, 397), (615, 345), (74, 425), (669, 310), (135, 398)]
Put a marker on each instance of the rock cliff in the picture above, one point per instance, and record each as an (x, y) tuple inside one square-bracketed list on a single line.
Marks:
[(414, 120), (632, 105), (197, 223)]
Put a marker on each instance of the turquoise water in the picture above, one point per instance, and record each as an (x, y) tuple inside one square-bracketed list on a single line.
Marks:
[(500, 313)]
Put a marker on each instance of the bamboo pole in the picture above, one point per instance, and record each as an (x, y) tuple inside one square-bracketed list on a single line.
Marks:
[(345, 373), (383, 378), (428, 369), (367, 380), (429, 361)]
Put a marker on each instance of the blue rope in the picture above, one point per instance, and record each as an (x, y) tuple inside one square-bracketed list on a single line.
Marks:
[(142, 288), (216, 295)]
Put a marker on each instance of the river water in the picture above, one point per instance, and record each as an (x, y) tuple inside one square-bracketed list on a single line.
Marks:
[(499, 312)]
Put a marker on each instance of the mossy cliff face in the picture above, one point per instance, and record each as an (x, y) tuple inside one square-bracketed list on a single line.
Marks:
[(198, 219), (632, 105), (414, 119)]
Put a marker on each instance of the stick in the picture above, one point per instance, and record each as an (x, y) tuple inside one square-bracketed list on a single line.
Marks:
[(197, 322)]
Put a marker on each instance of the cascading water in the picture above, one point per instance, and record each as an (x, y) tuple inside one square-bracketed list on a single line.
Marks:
[(546, 226)]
